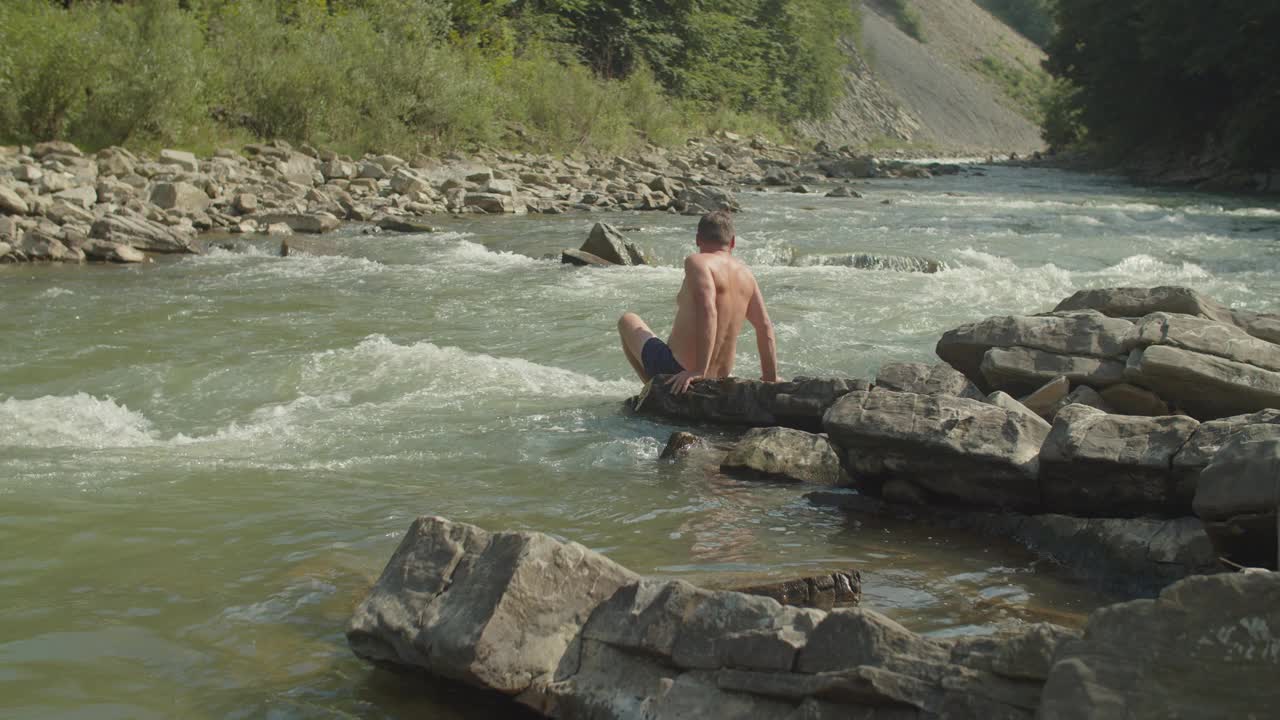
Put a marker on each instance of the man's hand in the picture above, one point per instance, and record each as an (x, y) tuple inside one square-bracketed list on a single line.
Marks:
[(680, 383)]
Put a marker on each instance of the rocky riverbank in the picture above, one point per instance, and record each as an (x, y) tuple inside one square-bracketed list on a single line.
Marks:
[(60, 204)]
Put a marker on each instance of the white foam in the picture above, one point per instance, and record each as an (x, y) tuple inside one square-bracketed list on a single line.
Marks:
[(478, 257), (54, 292), (79, 420)]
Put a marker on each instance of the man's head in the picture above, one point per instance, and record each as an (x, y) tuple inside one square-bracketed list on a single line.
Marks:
[(715, 231)]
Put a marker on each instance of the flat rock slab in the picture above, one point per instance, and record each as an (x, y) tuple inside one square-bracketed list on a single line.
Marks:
[(1208, 337), (956, 450), (1084, 333), (1129, 302), (1239, 493), (798, 403), (1020, 370), (1206, 648), (923, 379), (1207, 386), (785, 454), (1099, 465)]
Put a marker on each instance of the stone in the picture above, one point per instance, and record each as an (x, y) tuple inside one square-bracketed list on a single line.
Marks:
[(143, 234), (5, 249), (395, 223), (500, 187), (1100, 465), (405, 182), (372, 171), (1083, 395), (1085, 333), (607, 243), (843, 587), (37, 245), (1209, 438), (297, 168), (843, 191), (798, 403), (245, 203), (700, 200), (279, 229), (1044, 401), (495, 610), (1128, 302), (336, 169), (84, 197), (55, 147), (312, 223), (682, 444), (180, 196), (923, 379), (181, 159), (29, 174), (62, 213), (580, 258), (1127, 399), (495, 204), (859, 167), (1260, 325), (1205, 648), (1208, 337), (955, 450), (785, 454), (113, 252), (869, 261), (1206, 386), (1238, 495), (1006, 401), (1020, 369), (11, 203)]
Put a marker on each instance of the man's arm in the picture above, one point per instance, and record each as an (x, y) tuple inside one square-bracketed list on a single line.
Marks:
[(702, 286), (765, 341)]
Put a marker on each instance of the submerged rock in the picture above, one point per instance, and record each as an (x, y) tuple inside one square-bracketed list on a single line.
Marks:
[(867, 261), (843, 587), (682, 444), (785, 454), (606, 243), (798, 403)]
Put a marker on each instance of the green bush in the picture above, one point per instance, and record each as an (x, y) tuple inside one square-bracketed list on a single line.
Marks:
[(906, 18)]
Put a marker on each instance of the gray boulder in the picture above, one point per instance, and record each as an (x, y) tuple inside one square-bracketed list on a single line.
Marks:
[(1126, 399), (955, 450), (112, 252), (1210, 436), (1045, 400), (399, 223), (312, 223), (607, 243), (495, 204), (843, 167), (1260, 325), (11, 203), (1208, 337), (181, 159), (569, 256), (785, 454), (1021, 369), (143, 234), (1205, 648), (872, 261), (699, 200), (798, 403), (1206, 386), (37, 245), (181, 196), (1100, 465), (1009, 403), (1238, 495), (1081, 333), (682, 444), (1129, 302), (922, 379)]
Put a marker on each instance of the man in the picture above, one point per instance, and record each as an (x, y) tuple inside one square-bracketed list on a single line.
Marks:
[(718, 293)]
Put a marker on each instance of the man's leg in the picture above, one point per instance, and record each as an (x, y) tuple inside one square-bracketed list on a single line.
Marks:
[(634, 334)]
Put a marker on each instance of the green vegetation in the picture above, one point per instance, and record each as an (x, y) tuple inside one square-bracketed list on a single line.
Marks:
[(1026, 86), (410, 75), (905, 17), (1032, 18), (1174, 76)]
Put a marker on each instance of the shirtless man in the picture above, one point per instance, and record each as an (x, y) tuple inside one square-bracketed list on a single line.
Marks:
[(718, 293)]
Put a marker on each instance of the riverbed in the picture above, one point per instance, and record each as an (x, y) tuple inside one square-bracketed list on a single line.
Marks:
[(205, 462)]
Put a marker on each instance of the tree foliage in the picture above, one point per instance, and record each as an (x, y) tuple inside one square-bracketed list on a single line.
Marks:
[(1032, 18), (1183, 75)]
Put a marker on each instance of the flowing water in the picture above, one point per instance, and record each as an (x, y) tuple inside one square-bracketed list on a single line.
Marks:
[(205, 462)]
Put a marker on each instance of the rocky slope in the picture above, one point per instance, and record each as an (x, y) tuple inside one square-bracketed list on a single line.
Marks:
[(902, 90)]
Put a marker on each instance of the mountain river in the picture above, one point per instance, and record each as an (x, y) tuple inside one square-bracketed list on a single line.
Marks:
[(205, 462)]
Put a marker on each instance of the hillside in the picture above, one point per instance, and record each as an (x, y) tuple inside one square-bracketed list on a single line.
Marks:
[(962, 90)]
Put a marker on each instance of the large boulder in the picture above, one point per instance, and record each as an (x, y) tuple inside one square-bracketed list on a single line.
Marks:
[(1130, 302), (11, 203), (495, 204), (1206, 648), (923, 379), (1238, 495), (1020, 369), (699, 200), (181, 196), (1078, 333), (570, 634), (1206, 386), (948, 449), (1208, 337), (607, 243), (1100, 465), (1260, 325), (785, 454), (798, 403), (181, 159), (312, 223), (138, 232)]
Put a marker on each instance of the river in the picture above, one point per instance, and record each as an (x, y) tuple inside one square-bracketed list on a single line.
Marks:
[(206, 461)]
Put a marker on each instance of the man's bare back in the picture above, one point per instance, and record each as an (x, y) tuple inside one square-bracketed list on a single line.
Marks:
[(719, 292)]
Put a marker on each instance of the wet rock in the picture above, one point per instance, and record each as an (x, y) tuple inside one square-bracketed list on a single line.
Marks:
[(493, 203), (278, 229), (1088, 334), (1100, 465), (1206, 648), (1127, 399), (843, 191), (923, 379), (582, 259), (704, 199), (113, 252), (607, 243), (143, 234), (682, 444), (798, 403), (954, 450), (843, 587), (396, 223), (859, 167), (865, 261), (1206, 386), (1021, 369), (1128, 302), (1238, 495), (179, 196), (785, 454), (311, 223)]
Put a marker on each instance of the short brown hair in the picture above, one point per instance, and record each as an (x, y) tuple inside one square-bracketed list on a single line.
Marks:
[(716, 228)]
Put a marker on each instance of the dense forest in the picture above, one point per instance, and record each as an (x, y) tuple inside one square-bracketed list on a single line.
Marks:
[(414, 74), (1178, 76)]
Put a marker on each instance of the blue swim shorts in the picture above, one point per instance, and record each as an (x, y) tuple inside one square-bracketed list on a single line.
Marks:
[(658, 359)]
